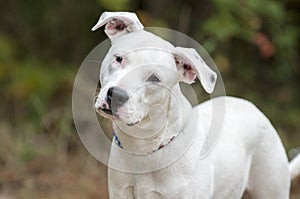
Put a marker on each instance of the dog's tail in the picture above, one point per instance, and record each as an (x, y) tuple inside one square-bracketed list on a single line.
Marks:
[(295, 167)]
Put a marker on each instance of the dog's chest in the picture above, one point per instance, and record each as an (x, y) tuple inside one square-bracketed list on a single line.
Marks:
[(161, 185), (179, 180)]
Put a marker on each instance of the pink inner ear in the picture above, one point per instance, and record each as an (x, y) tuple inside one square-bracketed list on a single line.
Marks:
[(115, 24), (189, 73)]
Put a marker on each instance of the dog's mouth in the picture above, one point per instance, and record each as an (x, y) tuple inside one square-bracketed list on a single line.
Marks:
[(112, 114), (133, 124), (107, 111)]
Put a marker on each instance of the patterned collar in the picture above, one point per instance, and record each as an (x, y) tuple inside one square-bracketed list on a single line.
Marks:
[(118, 142)]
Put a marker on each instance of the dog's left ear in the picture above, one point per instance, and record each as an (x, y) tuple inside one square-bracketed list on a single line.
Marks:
[(118, 23), (190, 65)]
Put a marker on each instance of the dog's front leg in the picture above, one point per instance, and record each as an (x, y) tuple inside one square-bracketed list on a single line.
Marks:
[(124, 193), (119, 185)]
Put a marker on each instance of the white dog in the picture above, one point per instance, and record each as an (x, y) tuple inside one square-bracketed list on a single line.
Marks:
[(159, 136)]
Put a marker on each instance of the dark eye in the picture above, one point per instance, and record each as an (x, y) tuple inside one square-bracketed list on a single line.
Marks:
[(153, 78), (119, 59)]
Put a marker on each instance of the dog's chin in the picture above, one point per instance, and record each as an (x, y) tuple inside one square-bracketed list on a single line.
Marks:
[(136, 122), (115, 117), (133, 124), (142, 122), (129, 123), (107, 113)]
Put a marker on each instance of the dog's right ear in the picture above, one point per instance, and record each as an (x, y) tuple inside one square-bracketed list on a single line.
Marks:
[(190, 65), (118, 23)]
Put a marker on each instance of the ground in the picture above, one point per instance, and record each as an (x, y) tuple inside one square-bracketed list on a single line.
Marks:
[(78, 176)]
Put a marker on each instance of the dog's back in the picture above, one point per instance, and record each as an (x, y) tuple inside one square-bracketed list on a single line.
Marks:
[(249, 154)]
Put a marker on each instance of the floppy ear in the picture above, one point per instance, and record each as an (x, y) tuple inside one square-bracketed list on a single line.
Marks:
[(190, 65), (118, 23)]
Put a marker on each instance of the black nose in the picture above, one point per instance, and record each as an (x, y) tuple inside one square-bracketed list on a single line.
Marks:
[(116, 97)]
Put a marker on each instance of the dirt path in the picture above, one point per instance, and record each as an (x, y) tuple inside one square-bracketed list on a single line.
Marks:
[(76, 177), (79, 177)]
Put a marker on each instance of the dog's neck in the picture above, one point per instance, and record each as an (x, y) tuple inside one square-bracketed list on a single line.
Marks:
[(144, 139)]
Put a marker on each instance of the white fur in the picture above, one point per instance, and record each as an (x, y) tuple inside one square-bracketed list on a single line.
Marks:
[(248, 156), (295, 167)]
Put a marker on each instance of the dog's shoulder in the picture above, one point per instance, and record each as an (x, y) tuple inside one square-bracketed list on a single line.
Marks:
[(227, 104), (236, 117)]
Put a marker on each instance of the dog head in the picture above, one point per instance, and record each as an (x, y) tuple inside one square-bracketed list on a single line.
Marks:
[(141, 69)]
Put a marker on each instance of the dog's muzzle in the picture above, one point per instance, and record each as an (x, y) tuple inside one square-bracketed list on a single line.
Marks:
[(116, 97)]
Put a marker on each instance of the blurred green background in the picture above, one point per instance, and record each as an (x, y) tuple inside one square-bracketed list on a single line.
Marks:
[(255, 45)]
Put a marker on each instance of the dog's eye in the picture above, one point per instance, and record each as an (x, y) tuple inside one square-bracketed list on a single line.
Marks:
[(119, 59), (153, 78)]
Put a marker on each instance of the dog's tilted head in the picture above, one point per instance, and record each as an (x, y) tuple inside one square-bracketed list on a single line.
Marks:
[(141, 69)]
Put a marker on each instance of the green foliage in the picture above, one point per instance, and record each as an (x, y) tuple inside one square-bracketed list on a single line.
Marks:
[(6, 50), (255, 44), (115, 5), (261, 54), (30, 78)]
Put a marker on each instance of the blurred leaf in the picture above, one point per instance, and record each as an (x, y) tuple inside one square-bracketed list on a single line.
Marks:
[(31, 78), (210, 45), (115, 5), (222, 29), (272, 10), (7, 51), (287, 39), (222, 62)]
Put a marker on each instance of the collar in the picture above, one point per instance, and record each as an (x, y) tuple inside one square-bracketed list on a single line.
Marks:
[(118, 142)]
